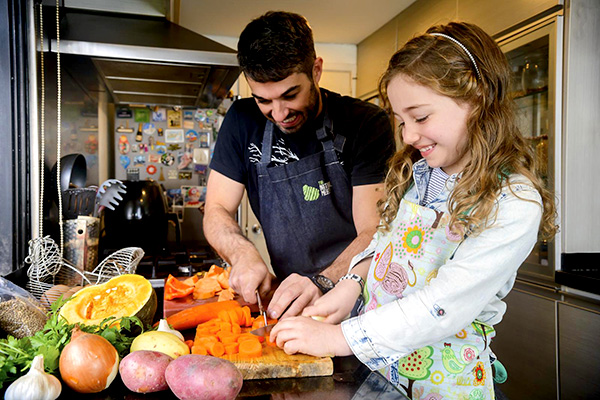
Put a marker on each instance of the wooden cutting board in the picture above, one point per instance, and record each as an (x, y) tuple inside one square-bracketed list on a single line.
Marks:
[(274, 362)]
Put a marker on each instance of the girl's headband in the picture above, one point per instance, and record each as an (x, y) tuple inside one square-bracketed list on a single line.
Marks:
[(462, 47)]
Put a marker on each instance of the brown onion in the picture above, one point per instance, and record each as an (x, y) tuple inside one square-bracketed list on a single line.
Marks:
[(89, 363)]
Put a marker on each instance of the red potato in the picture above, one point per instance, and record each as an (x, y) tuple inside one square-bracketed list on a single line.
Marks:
[(197, 377), (143, 371)]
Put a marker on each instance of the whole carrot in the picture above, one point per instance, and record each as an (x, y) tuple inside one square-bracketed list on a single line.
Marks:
[(191, 317)]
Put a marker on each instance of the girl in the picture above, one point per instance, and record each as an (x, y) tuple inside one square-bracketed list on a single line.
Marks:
[(462, 211)]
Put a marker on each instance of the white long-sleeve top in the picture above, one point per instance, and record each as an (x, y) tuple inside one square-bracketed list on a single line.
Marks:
[(469, 286)]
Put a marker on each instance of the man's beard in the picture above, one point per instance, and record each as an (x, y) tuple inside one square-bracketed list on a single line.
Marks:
[(309, 114)]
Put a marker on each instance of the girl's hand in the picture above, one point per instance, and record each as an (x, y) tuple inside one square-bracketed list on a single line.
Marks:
[(336, 304), (305, 335)]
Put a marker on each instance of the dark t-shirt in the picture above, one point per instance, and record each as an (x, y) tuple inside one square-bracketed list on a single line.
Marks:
[(366, 127)]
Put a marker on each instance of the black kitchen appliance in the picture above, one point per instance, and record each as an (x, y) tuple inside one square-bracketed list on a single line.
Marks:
[(141, 219)]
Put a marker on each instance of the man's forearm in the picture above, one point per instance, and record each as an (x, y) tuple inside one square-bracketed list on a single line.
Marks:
[(339, 267), (226, 237)]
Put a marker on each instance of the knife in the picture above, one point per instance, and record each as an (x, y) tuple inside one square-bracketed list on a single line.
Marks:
[(267, 328)]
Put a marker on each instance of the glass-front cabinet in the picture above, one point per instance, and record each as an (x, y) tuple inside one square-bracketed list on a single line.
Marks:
[(535, 57)]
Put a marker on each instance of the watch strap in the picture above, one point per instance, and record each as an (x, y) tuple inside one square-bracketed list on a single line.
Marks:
[(356, 278)]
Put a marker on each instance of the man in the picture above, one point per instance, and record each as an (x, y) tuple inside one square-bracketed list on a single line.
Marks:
[(311, 161)]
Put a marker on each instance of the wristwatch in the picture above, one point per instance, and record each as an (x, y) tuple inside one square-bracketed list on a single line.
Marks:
[(356, 278), (322, 282)]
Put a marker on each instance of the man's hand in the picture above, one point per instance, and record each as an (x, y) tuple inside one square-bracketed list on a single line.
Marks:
[(296, 292), (247, 276)]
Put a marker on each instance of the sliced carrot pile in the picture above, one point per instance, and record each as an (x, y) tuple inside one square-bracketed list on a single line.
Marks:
[(223, 335)]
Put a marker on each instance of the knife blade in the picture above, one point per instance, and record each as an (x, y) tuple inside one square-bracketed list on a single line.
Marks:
[(262, 331), (260, 307)]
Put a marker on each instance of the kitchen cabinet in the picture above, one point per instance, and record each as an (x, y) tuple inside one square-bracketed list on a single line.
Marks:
[(526, 343), (579, 353)]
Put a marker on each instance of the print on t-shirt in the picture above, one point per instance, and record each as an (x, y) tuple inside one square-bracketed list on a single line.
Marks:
[(281, 154)]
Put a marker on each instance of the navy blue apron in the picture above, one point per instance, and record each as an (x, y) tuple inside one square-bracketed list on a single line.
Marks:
[(305, 206)]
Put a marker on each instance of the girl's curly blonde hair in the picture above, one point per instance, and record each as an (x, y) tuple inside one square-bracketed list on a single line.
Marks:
[(497, 147)]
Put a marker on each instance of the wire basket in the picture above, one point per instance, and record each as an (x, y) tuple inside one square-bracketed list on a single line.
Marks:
[(48, 270)]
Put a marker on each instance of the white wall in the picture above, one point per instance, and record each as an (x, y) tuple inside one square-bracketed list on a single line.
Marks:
[(339, 66)]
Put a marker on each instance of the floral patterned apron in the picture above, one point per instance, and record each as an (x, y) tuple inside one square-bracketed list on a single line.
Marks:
[(406, 259)]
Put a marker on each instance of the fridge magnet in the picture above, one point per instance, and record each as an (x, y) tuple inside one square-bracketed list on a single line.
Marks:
[(173, 119), (134, 148), (151, 169), (188, 114), (172, 174), (91, 144), (124, 112), (143, 147), (139, 136), (187, 175), (161, 177), (139, 160), (151, 142), (124, 146), (91, 160), (193, 196), (161, 149), (191, 136), (173, 147), (125, 161), (160, 132), (142, 115), (167, 159), (201, 156), (174, 135), (174, 197), (204, 139), (184, 160), (159, 115), (188, 124), (153, 158), (199, 115), (200, 169), (149, 128)]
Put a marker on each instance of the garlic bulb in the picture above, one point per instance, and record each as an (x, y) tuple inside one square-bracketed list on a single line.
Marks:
[(35, 385), (163, 326)]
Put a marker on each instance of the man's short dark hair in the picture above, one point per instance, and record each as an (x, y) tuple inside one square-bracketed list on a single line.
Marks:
[(276, 45)]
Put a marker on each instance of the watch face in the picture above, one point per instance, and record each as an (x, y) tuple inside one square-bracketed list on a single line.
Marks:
[(324, 282)]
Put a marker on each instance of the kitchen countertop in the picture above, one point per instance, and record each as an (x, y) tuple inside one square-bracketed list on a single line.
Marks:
[(351, 380)]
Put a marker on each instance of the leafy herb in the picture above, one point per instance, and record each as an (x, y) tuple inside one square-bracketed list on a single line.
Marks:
[(16, 355)]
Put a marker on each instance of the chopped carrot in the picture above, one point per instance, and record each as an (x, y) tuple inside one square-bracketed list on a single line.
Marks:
[(268, 341), (228, 339), (250, 349), (235, 328), (199, 349), (247, 316), (248, 336), (225, 326), (224, 316), (232, 348), (216, 349), (233, 316)]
